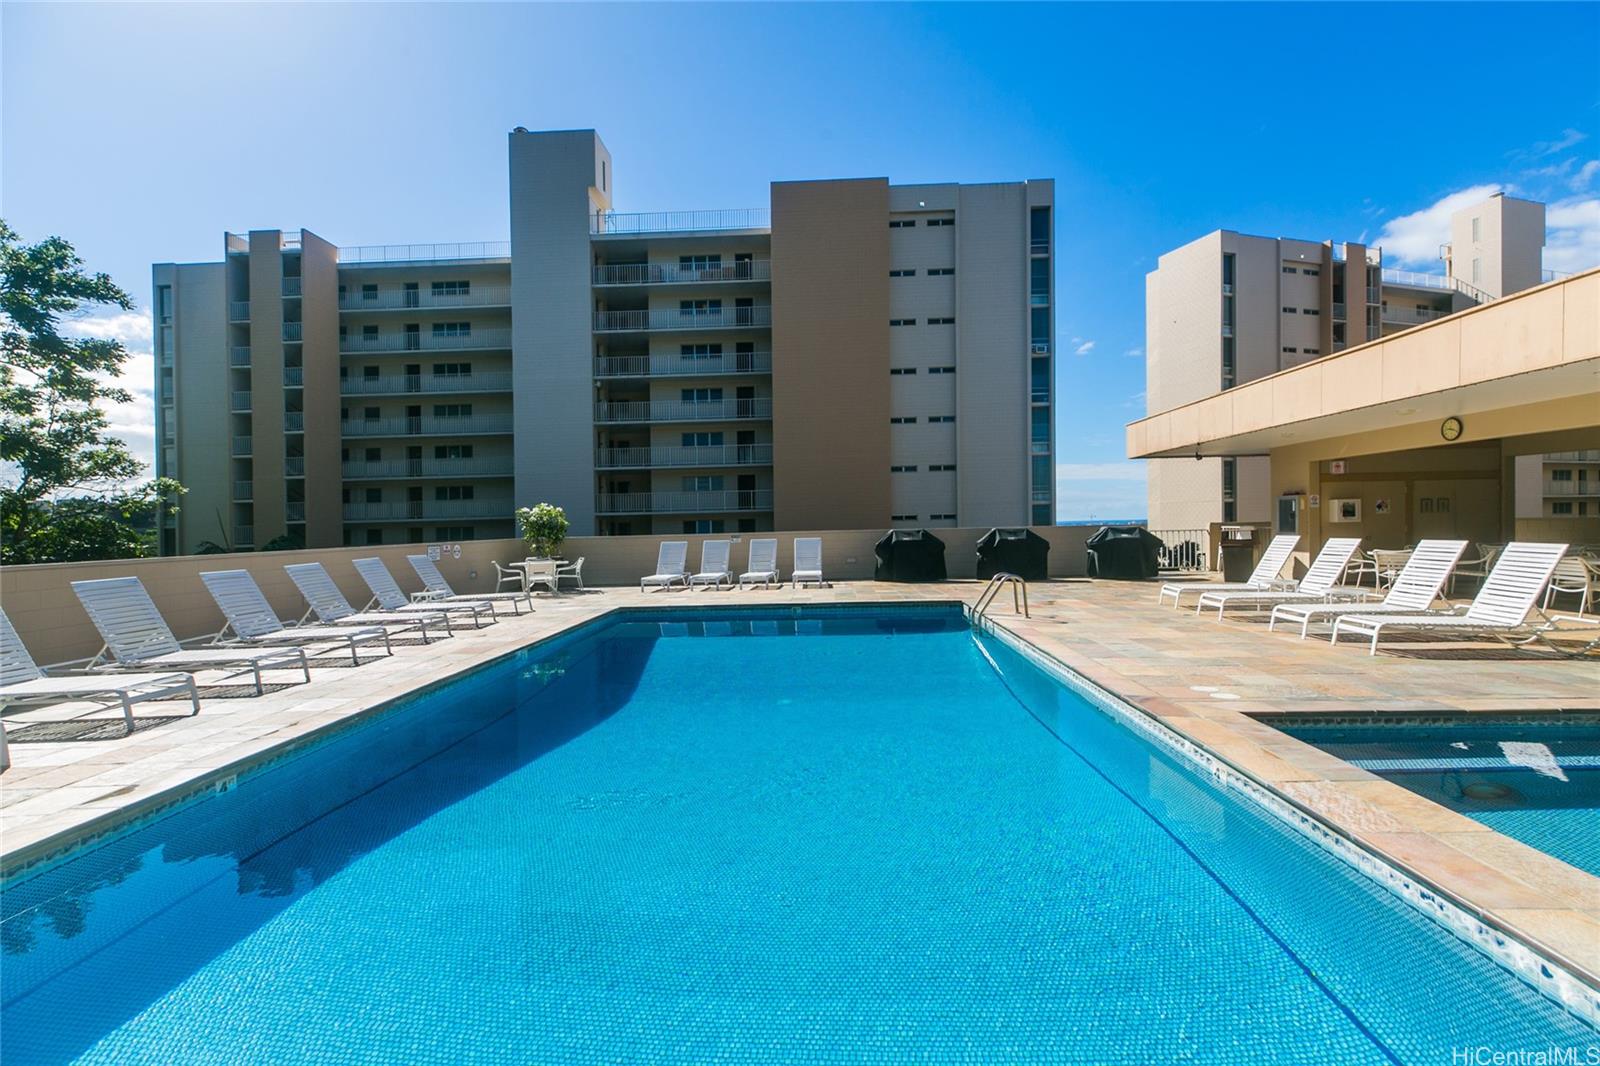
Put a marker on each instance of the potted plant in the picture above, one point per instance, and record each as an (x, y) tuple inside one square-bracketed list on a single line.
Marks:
[(544, 527)]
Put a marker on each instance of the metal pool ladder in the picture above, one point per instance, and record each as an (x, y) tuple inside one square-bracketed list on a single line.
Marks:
[(1019, 596)]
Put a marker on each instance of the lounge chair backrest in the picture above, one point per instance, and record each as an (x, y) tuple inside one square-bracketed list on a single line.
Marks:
[(16, 665), (763, 555), (320, 591), (1424, 574), (672, 558), (1272, 560), (428, 571), (381, 582), (714, 556), (242, 602), (1327, 568), (126, 617), (808, 553), (1519, 576)]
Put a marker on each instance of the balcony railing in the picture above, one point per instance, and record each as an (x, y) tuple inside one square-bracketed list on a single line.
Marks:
[(1554, 275), (294, 376), (239, 401), (1374, 294), (243, 491), (425, 253), (244, 536), (1413, 316), (706, 456), (680, 411), (425, 342), (294, 511), (1571, 488), (423, 299), (293, 331), (420, 468), (238, 310), (241, 446), (683, 502), (291, 286), (681, 274), (654, 366), (294, 466), (294, 422), (1184, 549), (613, 223), (1589, 455), (494, 381), (671, 318), (473, 425), (423, 510), (1338, 310)]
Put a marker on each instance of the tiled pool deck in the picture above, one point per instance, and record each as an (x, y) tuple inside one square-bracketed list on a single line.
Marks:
[(1201, 678)]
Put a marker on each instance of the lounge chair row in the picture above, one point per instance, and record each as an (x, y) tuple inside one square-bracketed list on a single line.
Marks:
[(716, 569)]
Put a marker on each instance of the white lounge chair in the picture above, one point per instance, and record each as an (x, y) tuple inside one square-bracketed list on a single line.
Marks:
[(763, 564), (136, 636), (331, 608), (388, 595), (714, 568), (1413, 590), (436, 588), (1320, 583), (1263, 578), (1500, 609), (23, 683), (251, 619), (671, 566), (808, 562)]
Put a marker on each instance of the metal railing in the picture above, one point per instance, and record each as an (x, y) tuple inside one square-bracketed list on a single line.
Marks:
[(239, 401), (1338, 310), (1038, 247), (651, 366), (420, 468), (294, 511), (493, 381), (1588, 455), (244, 536), (294, 421), (682, 274), (413, 510), (1554, 275), (706, 455), (683, 502), (612, 223), (243, 491), (241, 446), (672, 318), (472, 425), (1374, 294), (1416, 280), (291, 286), (425, 342), (424, 253), (239, 355), (293, 331), (986, 598), (423, 299), (294, 377), (1184, 549), (1412, 315), (294, 466), (680, 411), (238, 310), (1584, 487)]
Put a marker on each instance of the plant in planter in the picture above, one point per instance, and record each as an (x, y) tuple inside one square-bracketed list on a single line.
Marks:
[(544, 527)]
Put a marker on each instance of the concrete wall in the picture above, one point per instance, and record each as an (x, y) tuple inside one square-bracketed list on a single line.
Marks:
[(266, 383), (200, 374), (319, 311)]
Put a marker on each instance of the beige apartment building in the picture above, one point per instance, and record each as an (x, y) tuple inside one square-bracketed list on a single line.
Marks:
[(1229, 309), (854, 355)]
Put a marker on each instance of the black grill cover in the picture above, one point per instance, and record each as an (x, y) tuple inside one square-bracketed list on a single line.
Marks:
[(1013, 551), (1126, 553), (909, 555)]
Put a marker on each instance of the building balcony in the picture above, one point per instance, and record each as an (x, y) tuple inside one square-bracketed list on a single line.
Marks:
[(677, 274), (293, 331), (1571, 488), (294, 377), (1411, 316), (239, 401), (427, 510), (1591, 455), (618, 224), (1338, 310), (708, 456), (294, 466), (239, 355), (408, 384), (294, 421), (641, 320), (379, 254), (425, 299), (238, 310), (426, 342), (616, 503), (243, 491), (294, 511), (244, 536), (665, 366), (241, 447), (398, 469), (291, 286), (469, 426), (680, 411)]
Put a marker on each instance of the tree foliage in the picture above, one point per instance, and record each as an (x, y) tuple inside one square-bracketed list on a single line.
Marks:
[(65, 493)]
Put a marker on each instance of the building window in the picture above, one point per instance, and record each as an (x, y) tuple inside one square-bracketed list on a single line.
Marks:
[(902, 518), (374, 495), (941, 222), (1288, 310), (452, 288), (452, 410), (940, 370), (373, 455), (1475, 230), (1288, 350), (944, 468), (895, 371), (1230, 507), (902, 322), (1227, 269), (369, 292), (949, 517), (903, 273), (941, 272), (452, 329), (370, 414), (699, 351), (1560, 475), (452, 492), (703, 483), (1311, 272), (1310, 351), (941, 418), (941, 321), (374, 536), (702, 439), (1287, 269), (700, 395), (369, 334), (371, 373), (903, 420), (902, 223), (693, 308), (705, 525), (1477, 271), (903, 469), (700, 262), (1561, 507), (452, 370), (1310, 311), (454, 533), (452, 451)]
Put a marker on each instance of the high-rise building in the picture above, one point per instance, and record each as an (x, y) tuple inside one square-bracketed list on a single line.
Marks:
[(1229, 308), (856, 355)]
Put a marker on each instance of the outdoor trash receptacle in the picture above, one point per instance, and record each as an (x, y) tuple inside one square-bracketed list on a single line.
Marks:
[(1124, 553), (1013, 551), (909, 555), (1238, 552)]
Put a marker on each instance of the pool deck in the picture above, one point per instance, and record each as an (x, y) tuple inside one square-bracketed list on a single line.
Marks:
[(73, 775)]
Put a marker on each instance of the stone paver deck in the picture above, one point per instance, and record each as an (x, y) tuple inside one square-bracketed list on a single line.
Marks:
[(77, 775)]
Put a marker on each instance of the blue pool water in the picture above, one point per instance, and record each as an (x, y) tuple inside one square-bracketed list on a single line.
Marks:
[(1538, 781), (842, 837)]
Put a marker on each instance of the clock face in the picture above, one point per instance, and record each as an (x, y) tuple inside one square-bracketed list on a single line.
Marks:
[(1451, 428)]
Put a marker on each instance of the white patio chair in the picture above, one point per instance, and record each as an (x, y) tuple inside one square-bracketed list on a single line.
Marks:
[(763, 564), (1387, 564), (1476, 566), (506, 575), (251, 619), (1500, 609), (436, 588), (331, 608), (137, 636), (714, 568), (671, 566), (808, 562), (544, 573), (570, 572), (1419, 583), (1263, 578), (1320, 583), (1573, 576), (386, 594)]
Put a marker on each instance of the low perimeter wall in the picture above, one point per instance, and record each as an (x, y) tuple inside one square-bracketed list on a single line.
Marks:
[(40, 603)]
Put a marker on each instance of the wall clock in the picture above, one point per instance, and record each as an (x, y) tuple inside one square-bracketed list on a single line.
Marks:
[(1451, 429)]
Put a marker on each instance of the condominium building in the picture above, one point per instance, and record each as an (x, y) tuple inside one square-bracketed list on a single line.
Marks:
[(855, 354), (1229, 308)]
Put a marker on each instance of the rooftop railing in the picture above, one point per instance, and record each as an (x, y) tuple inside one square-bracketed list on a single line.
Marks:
[(425, 342), (613, 223), (668, 318), (707, 456), (683, 502), (494, 381), (413, 510), (1587, 455), (1554, 275), (682, 411), (420, 468), (424, 253), (652, 366), (422, 299), (467, 425), (680, 274)]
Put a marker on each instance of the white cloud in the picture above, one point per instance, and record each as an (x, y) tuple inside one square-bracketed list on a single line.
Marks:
[(133, 422), (1568, 138), (1572, 234), (132, 328), (1083, 349), (1134, 353), (1106, 491), (1585, 175), (1414, 239)]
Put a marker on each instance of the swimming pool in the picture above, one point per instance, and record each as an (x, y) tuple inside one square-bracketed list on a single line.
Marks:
[(1534, 779), (811, 835)]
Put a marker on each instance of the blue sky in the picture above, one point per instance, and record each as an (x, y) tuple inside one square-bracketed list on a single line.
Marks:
[(140, 133)]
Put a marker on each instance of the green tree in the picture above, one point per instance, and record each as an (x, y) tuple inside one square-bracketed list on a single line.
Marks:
[(65, 493)]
